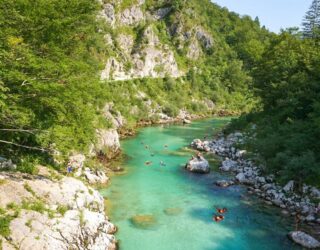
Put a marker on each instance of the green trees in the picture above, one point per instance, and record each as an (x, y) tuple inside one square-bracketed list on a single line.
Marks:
[(49, 84), (311, 22), (287, 81)]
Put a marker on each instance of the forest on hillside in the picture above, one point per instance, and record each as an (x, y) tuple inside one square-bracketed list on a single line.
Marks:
[(51, 95)]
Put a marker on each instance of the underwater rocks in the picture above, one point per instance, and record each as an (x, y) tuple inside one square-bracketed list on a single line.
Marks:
[(224, 183), (172, 211), (198, 165), (304, 239), (143, 221)]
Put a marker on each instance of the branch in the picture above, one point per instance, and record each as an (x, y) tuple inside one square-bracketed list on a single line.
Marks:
[(23, 146), (18, 130)]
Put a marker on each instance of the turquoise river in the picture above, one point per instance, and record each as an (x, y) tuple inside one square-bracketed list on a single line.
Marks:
[(166, 208)]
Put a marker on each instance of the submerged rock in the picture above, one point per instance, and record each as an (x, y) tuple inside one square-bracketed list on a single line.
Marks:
[(304, 239), (224, 183), (173, 211), (198, 165), (143, 221)]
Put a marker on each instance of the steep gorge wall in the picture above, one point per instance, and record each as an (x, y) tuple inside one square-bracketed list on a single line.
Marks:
[(138, 50)]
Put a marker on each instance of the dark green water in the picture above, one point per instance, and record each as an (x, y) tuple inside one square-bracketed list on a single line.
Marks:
[(178, 205)]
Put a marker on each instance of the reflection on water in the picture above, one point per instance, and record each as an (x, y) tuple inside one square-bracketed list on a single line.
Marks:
[(166, 208)]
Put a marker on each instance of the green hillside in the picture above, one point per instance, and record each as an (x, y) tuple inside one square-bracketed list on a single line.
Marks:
[(63, 61)]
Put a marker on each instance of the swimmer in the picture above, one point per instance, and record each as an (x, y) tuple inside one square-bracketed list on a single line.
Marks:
[(218, 218), (146, 147), (222, 210), (162, 164), (152, 154), (199, 156), (148, 163), (166, 146)]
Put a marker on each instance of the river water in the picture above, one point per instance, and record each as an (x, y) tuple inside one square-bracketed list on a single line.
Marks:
[(166, 208)]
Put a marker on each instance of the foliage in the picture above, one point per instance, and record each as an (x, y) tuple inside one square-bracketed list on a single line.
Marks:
[(311, 22), (287, 122), (5, 226), (50, 53)]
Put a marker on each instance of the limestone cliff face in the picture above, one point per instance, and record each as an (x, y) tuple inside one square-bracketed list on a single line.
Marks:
[(140, 49), (50, 211), (147, 39)]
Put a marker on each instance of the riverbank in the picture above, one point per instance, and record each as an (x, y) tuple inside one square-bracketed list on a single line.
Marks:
[(302, 206)]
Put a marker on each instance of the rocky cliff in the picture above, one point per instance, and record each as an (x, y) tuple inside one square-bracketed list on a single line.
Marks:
[(144, 41), (50, 211)]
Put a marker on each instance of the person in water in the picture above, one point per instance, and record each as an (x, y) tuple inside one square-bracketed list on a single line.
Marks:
[(222, 210), (166, 146), (162, 164), (199, 155), (148, 163), (218, 218)]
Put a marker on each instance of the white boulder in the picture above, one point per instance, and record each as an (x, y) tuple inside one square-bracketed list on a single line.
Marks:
[(228, 165), (288, 188), (304, 239), (198, 165)]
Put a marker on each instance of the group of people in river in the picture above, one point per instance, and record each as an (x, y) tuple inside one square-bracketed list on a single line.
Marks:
[(149, 163), (220, 216)]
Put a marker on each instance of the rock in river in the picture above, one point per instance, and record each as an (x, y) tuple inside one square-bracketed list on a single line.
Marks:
[(172, 211), (224, 183), (143, 221), (198, 165), (304, 239)]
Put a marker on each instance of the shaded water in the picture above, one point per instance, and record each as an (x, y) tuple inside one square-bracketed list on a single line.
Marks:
[(176, 207)]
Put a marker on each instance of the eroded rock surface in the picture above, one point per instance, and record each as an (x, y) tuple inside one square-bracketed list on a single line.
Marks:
[(55, 212)]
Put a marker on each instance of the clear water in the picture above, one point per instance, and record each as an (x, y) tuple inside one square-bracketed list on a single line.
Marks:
[(189, 198)]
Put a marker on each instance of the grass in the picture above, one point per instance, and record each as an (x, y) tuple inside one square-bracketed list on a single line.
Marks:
[(29, 223), (62, 209), (81, 218), (37, 206), (5, 226), (29, 189), (12, 206)]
